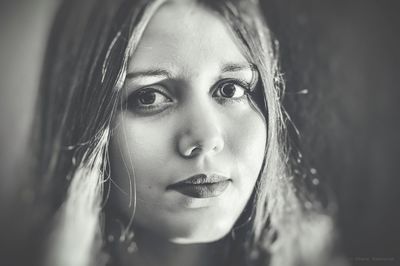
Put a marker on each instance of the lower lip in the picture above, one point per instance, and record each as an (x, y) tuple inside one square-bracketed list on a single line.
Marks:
[(209, 190)]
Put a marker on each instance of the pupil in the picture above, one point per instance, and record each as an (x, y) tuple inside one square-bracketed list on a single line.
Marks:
[(228, 90), (147, 98)]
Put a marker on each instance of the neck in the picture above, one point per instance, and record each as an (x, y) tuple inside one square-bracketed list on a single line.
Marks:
[(153, 250)]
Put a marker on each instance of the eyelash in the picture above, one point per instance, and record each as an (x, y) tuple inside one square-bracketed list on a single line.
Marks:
[(131, 101), (242, 83)]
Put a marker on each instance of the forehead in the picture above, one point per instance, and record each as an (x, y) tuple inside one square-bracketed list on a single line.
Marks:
[(182, 33)]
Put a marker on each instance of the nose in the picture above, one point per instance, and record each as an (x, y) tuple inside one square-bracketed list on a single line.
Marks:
[(201, 134)]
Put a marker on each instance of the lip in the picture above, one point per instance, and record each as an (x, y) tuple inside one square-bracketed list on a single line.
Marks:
[(202, 186)]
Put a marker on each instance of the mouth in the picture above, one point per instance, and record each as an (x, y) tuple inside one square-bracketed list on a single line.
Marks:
[(202, 186)]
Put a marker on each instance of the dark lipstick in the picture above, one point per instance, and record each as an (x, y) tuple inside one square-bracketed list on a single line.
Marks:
[(201, 186)]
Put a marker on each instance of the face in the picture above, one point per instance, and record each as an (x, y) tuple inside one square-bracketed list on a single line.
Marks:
[(190, 134)]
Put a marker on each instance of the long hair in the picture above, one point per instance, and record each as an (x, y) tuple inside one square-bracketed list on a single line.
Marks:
[(84, 72)]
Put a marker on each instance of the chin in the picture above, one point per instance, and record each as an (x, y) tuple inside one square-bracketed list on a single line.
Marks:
[(185, 226), (198, 239), (199, 233)]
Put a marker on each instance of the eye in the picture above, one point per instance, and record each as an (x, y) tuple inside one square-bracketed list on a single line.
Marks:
[(230, 90), (149, 97), (153, 98)]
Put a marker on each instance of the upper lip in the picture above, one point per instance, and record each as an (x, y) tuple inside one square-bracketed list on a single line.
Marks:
[(201, 179)]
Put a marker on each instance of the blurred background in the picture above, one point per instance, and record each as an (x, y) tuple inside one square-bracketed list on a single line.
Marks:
[(341, 61)]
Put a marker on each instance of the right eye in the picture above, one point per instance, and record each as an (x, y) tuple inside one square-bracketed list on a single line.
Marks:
[(148, 99)]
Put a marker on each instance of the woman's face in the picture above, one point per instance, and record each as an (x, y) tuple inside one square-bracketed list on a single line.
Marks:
[(189, 135)]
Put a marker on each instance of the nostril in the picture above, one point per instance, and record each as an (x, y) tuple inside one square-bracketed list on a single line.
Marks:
[(195, 150), (198, 143), (198, 149)]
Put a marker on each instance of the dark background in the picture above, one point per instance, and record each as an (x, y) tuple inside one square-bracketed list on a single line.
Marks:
[(344, 53)]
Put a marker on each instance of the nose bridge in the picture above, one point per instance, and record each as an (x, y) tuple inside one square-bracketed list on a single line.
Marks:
[(202, 129), (202, 118)]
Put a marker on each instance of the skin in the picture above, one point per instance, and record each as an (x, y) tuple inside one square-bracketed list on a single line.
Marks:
[(180, 122)]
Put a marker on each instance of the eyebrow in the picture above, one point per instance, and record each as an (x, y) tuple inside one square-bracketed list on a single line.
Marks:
[(238, 67), (243, 67), (166, 74), (149, 73)]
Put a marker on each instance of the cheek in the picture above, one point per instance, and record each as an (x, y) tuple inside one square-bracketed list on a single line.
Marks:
[(247, 142), (248, 137), (136, 148), (145, 146)]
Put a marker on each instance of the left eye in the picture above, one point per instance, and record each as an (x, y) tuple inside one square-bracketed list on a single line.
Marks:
[(230, 90)]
